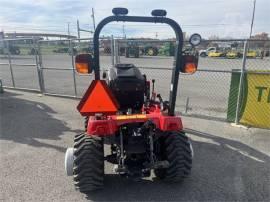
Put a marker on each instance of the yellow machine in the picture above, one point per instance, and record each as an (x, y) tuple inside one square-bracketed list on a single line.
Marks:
[(216, 53), (251, 54), (233, 54)]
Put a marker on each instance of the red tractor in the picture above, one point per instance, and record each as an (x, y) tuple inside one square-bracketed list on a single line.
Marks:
[(140, 128)]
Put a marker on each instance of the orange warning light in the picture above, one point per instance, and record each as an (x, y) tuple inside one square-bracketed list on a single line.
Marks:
[(98, 99), (190, 64), (190, 68)]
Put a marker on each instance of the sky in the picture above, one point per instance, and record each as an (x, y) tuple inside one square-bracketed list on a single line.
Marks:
[(223, 18)]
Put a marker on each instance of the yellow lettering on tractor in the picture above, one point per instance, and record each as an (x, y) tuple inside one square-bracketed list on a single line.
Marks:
[(136, 116)]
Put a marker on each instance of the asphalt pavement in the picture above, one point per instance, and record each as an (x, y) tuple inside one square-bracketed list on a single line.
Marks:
[(230, 163)]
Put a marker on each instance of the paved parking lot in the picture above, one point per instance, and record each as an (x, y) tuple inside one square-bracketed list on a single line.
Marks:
[(230, 164)]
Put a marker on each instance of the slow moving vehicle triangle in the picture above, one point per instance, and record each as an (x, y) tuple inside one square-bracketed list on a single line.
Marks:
[(98, 99)]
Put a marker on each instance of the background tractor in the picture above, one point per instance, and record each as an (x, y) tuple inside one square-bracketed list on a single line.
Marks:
[(122, 111), (151, 50), (137, 47), (12, 49), (167, 49), (204, 53), (132, 49)]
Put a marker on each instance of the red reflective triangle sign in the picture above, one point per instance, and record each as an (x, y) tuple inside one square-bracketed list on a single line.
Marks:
[(98, 99)]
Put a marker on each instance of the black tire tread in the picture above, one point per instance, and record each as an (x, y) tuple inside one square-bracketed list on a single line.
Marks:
[(88, 170), (178, 153)]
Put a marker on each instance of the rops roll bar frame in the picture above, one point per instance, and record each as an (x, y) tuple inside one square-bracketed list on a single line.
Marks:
[(177, 65)]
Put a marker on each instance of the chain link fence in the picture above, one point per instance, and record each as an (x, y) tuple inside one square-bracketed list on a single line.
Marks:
[(19, 63), (231, 84)]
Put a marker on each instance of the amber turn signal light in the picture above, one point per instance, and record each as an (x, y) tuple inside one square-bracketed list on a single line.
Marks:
[(190, 64), (84, 63), (82, 68), (190, 68)]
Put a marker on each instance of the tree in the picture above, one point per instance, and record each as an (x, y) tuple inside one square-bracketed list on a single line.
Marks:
[(261, 36), (213, 37), (260, 44)]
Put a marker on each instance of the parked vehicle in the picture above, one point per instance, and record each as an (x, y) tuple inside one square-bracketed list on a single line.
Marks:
[(13, 50), (233, 54), (252, 54), (218, 52), (66, 50), (204, 53)]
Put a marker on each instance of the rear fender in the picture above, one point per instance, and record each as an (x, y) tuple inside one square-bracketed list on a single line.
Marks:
[(110, 125)]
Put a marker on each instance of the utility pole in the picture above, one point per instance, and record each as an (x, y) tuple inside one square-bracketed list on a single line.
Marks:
[(124, 32), (78, 30), (68, 30), (156, 35), (252, 21), (93, 18)]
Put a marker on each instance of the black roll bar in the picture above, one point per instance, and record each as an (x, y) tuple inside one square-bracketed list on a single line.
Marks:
[(178, 52)]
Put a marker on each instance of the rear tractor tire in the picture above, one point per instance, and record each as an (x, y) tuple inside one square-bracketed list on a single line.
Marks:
[(177, 150), (88, 170)]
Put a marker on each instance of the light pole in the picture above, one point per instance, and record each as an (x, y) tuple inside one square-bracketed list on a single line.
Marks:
[(252, 20), (78, 30), (68, 30), (124, 32), (93, 18)]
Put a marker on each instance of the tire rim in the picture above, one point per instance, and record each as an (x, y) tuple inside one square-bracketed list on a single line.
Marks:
[(69, 159), (191, 149), (150, 52)]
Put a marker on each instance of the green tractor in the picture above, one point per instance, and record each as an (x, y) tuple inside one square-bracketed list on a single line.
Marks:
[(167, 49), (132, 49), (137, 48), (151, 51), (13, 50)]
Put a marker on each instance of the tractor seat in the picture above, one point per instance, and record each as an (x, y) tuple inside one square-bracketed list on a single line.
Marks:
[(127, 70), (128, 85)]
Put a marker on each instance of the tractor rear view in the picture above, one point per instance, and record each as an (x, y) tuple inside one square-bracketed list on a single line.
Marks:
[(125, 112)]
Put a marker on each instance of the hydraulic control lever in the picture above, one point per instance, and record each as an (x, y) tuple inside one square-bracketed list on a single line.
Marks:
[(147, 89), (164, 105), (153, 97)]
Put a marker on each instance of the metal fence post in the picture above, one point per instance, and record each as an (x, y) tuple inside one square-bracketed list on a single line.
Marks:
[(112, 50), (37, 65), (187, 105), (116, 51), (1, 86), (241, 82), (73, 68), (40, 68), (10, 65)]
